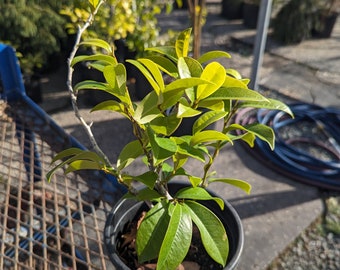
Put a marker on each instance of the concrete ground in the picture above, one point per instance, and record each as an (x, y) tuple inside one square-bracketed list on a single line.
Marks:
[(278, 208)]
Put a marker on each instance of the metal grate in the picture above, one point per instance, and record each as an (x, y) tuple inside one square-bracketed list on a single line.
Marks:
[(56, 225)]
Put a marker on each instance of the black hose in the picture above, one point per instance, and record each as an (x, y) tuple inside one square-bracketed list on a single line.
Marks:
[(307, 147)]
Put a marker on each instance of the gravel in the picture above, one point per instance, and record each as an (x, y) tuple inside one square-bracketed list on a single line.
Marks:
[(318, 247)]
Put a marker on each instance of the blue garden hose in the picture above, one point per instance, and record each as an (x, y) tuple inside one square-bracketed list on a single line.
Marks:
[(313, 128)]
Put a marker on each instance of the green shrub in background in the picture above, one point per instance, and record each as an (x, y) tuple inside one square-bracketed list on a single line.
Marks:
[(34, 28), (133, 21)]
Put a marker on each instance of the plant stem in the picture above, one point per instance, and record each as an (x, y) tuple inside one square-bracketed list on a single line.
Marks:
[(74, 95)]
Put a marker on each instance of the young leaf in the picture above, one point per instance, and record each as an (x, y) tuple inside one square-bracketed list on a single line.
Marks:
[(164, 64), (154, 70), (212, 231), (182, 43), (214, 73), (185, 111), (177, 239), (110, 105), (237, 93)]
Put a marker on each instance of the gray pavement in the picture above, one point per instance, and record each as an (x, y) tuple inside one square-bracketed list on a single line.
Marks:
[(278, 208)]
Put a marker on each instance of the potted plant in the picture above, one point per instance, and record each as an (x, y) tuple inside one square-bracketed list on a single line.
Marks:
[(198, 87), (327, 14)]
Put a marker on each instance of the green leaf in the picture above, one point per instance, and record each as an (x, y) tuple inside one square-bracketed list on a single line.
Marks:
[(183, 68), (273, 104), (237, 93), (245, 186), (185, 149), (164, 64), (208, 56), (185, 111), (182, 43), (98, 43), (198, 193), (83, 165), (230, 81), (195, 181), (194, 66), (263, 132), (215, 73), (110, 75), (129, 153), (110, 105), (212, 231), (89, 84), (146, 194), (96, 57), (175, 90), (177, 239), (168, 51), (234, 73), (207, 119), (154, 70), (147, 74), (162, 148), (148, 178), (165, 125), (209, 136), (147, 109), (151, 232), (94, 3)]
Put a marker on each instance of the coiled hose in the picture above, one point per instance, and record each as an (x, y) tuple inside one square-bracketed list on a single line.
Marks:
[(307, 147)]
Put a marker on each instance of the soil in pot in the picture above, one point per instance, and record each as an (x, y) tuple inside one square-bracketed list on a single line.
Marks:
[(121, 228)]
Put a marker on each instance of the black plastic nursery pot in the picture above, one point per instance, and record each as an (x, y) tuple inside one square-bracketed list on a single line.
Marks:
[(126, 210)]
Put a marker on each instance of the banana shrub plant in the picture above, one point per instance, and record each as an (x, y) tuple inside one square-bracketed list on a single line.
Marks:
[(200, 88)]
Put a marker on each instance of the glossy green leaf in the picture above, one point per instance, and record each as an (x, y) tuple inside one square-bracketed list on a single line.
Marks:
[(234, 73), (165, 125), (183, 69), (209, 136), (88, 85), (185, 111), (273, 104), (164, 64), (129, 153), (236, 93), (230, 81), (147, 109), (148, 178), (177, 239), (198, 193), (154, 70), (83, 165), (215, 73), (214, 105), (207, 119), (152, 231), (212, 231), (194, 67), (110, 75), (96, 57), (194, 180), (245, 186), (184, 148), (182, 43), (147, 194), (168, 51), (98, 43), (208, 56), (110, 105), (147, 74)]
